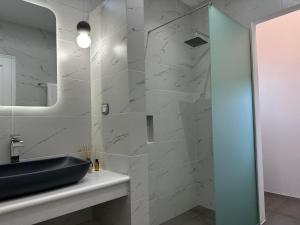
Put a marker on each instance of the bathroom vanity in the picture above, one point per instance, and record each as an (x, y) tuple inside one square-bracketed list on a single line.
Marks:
[(92, 190)]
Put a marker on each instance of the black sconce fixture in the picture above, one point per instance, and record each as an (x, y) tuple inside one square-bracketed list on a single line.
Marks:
[(83, 38)]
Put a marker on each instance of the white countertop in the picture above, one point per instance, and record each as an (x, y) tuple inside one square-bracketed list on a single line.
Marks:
[(91, 182)]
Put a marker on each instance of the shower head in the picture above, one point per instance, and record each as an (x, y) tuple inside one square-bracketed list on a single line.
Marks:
[(199, 39), (195, 42)]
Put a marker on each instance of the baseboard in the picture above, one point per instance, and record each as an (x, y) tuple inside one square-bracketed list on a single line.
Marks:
[(283, 194)]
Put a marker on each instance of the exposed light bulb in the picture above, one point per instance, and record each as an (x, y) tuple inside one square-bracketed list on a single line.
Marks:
[(83, 39)]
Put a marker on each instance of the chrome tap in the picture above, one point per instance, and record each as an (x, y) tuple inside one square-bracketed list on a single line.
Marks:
[(15, 144)]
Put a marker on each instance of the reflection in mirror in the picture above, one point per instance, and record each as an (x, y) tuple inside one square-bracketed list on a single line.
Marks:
[(28, 70)]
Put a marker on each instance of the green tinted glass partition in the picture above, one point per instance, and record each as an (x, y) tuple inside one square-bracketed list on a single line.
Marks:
[(232, 121)]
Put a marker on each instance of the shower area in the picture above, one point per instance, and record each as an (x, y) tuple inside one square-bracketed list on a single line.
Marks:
[(178, 97), (199, 101)]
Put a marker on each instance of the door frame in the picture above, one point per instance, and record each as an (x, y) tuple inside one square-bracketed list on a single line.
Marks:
[(257, 118)]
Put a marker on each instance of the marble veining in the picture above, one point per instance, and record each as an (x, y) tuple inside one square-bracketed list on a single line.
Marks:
[(118, 78), (177, 82), (172, 82), (35, 53), (168, 75), (59, 129)]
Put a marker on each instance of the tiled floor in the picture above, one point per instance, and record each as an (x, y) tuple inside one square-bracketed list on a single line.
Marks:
[(281, 210), (196, 216)]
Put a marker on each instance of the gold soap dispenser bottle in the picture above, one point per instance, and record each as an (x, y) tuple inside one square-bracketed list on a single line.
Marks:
[(97, 165)]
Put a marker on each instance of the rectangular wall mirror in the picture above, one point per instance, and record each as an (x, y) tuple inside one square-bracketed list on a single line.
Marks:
[(28, 58)]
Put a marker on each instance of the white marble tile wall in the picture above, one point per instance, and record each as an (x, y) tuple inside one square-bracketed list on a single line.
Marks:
[(202, 114), (109, 77), (70, 116), (158, 12), (5, 131), (118, 78), (59, 129), (170, 78), (35, 52), (177, 79)]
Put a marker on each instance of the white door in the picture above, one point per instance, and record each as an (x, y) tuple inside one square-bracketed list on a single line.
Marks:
[(7, 80)]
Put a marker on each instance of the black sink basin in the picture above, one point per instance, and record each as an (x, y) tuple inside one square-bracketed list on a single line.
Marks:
[(23, 178)]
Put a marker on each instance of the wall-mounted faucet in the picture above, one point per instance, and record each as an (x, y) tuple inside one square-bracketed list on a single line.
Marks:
[(15, 144)]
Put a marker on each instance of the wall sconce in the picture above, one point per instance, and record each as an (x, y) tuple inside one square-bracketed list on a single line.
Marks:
[(83, 38)]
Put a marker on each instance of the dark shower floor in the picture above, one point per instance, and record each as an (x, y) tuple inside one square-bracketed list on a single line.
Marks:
[(282, 210), (195, 216)]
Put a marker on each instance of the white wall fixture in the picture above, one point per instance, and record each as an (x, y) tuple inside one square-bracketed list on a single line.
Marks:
[(83, 38)]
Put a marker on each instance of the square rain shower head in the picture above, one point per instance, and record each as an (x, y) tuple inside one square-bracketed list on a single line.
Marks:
[(195, 42)]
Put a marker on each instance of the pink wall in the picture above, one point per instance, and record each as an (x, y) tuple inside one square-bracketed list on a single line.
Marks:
[(278, 56)]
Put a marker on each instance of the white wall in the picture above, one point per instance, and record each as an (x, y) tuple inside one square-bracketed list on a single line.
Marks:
[(245, 12), (279, 87), (118, 78), (178, 96)]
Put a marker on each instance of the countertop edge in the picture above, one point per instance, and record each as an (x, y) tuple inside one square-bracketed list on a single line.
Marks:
[(30, 201)]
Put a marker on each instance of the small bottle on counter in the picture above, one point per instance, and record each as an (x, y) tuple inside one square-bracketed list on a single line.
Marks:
[(97, 165)]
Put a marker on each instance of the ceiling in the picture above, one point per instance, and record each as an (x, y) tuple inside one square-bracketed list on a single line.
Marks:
[(25, 13), (192, 3)]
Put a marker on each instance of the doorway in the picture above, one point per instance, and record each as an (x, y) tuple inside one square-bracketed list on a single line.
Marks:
[(276, 95)]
